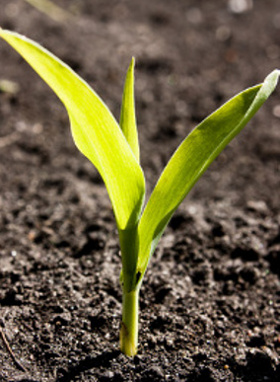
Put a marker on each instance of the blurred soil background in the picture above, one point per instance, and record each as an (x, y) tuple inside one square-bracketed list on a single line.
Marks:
[(210, 302)]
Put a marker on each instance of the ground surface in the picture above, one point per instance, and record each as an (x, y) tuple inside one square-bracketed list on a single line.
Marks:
[(210, 303)]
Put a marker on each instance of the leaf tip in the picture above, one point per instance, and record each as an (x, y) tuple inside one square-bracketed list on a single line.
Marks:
[(132, 64), (3, 32), (273, 76), (277, 73)]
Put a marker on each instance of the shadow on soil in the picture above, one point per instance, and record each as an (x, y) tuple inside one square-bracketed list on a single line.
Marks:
[(88, 363)]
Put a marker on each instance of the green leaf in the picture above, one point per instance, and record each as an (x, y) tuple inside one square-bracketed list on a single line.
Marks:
[(192, 158), (128, 119), (95, 131), (50, 9)]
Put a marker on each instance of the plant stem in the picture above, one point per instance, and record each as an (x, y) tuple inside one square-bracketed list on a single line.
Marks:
[(129, 250), (129, 328)]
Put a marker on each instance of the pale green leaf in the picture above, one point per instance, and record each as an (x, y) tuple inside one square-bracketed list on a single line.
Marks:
[(192, 158), (128, 118), (94, 129), (51, 9)]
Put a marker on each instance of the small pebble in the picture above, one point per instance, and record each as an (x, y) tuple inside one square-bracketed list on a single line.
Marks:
[(276, 111), (13, 253), (240, 6), (155, 371)]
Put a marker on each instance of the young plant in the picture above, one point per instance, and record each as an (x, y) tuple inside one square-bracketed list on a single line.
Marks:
[(114, 150)]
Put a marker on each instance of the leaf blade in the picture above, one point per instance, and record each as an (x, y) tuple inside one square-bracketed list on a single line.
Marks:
[(192, 158), (128, 118), (95, 131)]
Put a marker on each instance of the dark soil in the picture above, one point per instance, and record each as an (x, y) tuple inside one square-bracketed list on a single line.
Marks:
[(210, 302)]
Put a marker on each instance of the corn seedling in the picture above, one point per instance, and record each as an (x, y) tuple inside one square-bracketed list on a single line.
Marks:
[(113, 149)]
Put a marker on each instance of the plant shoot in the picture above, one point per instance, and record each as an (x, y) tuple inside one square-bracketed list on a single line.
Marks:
[(113, 149)]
